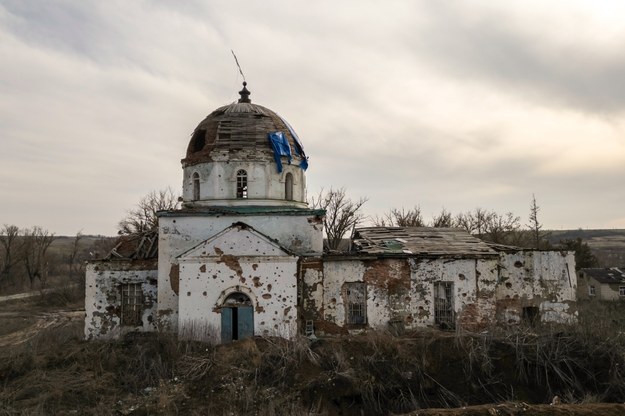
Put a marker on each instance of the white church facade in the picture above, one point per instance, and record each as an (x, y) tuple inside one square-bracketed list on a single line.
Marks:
[(244, 256)]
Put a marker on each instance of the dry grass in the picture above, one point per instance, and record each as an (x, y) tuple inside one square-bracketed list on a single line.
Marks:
[(375, 373)]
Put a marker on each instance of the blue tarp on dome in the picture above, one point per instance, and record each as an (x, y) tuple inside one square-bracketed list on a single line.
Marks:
[(281, 147)]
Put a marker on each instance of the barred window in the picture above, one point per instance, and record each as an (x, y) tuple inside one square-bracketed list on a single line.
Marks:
[(355, 303), (241, 184), (132, 304)]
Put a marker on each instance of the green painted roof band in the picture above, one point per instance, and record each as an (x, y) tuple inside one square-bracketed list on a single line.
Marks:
[(242, 210)]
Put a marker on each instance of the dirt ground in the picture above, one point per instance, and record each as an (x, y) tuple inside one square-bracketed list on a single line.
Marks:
[(23, 319)]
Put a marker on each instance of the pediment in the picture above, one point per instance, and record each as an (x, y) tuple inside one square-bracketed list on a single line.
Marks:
[(239, 240)]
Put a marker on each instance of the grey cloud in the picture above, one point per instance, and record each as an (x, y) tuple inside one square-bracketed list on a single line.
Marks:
[(494, 49)]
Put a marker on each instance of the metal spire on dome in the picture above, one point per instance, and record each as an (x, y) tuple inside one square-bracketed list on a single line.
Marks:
[(245, 94)]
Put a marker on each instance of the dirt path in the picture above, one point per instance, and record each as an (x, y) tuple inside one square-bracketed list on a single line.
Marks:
[(42, 320), (34, 293)]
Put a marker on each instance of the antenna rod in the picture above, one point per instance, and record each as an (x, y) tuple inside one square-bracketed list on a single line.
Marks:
[(237, 62)]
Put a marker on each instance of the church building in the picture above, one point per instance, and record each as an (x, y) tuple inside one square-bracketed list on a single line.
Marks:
[(244, 256)]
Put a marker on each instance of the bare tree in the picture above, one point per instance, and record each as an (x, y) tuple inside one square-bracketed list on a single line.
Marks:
[(143, 217), (10, 251), (443, 220), (342, 214), (503, 229), (36, 242), (75, 262), (400, 218), (535, 226), (490, 226)]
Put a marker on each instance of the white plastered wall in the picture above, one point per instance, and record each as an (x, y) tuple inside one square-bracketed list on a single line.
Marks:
[(238, 261), (103, 297), (299, 234), (218, 181), (543, 279)]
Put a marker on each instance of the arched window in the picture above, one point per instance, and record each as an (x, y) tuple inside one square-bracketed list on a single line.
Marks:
[(196, 186), (241, 184), (288, 187)]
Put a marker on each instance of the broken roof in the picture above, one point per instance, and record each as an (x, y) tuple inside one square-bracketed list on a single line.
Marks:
[(419, 241), (241, 126), (608, 275), (142, 246)]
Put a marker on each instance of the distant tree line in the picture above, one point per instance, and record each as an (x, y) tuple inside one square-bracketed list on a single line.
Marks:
[(34, 258)]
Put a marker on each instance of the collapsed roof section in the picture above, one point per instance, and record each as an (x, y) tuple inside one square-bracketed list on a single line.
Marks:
[(426, 241), (142, 246)]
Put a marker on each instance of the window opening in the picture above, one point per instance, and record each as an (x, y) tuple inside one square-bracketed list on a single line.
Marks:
[(531, 315), (444, 315), (621, 291), (132, 304), (356, 303), (196, 186), (288, 187), (199, 140), (591, 290), (242, 184)]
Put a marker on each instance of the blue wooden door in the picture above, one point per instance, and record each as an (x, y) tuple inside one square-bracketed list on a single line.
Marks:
[(226, 325), (245, 322)]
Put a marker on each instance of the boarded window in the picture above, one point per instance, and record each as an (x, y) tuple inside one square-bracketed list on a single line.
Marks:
[(196, 186), (241, 184), (444, 315), (132, 304), (288, 187), (355, 303)]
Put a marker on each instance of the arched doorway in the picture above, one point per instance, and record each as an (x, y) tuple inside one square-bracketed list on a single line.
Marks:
[(237, 318)]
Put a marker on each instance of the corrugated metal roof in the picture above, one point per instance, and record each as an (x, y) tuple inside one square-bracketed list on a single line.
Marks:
[(419, 241)]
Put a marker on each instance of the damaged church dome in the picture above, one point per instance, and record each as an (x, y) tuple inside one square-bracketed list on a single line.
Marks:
[(244, 154)]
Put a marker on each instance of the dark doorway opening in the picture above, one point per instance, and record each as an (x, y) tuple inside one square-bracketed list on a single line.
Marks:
[(531, 315), (237, 318)]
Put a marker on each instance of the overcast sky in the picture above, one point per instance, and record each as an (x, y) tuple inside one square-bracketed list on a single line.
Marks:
[(454, 104)]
